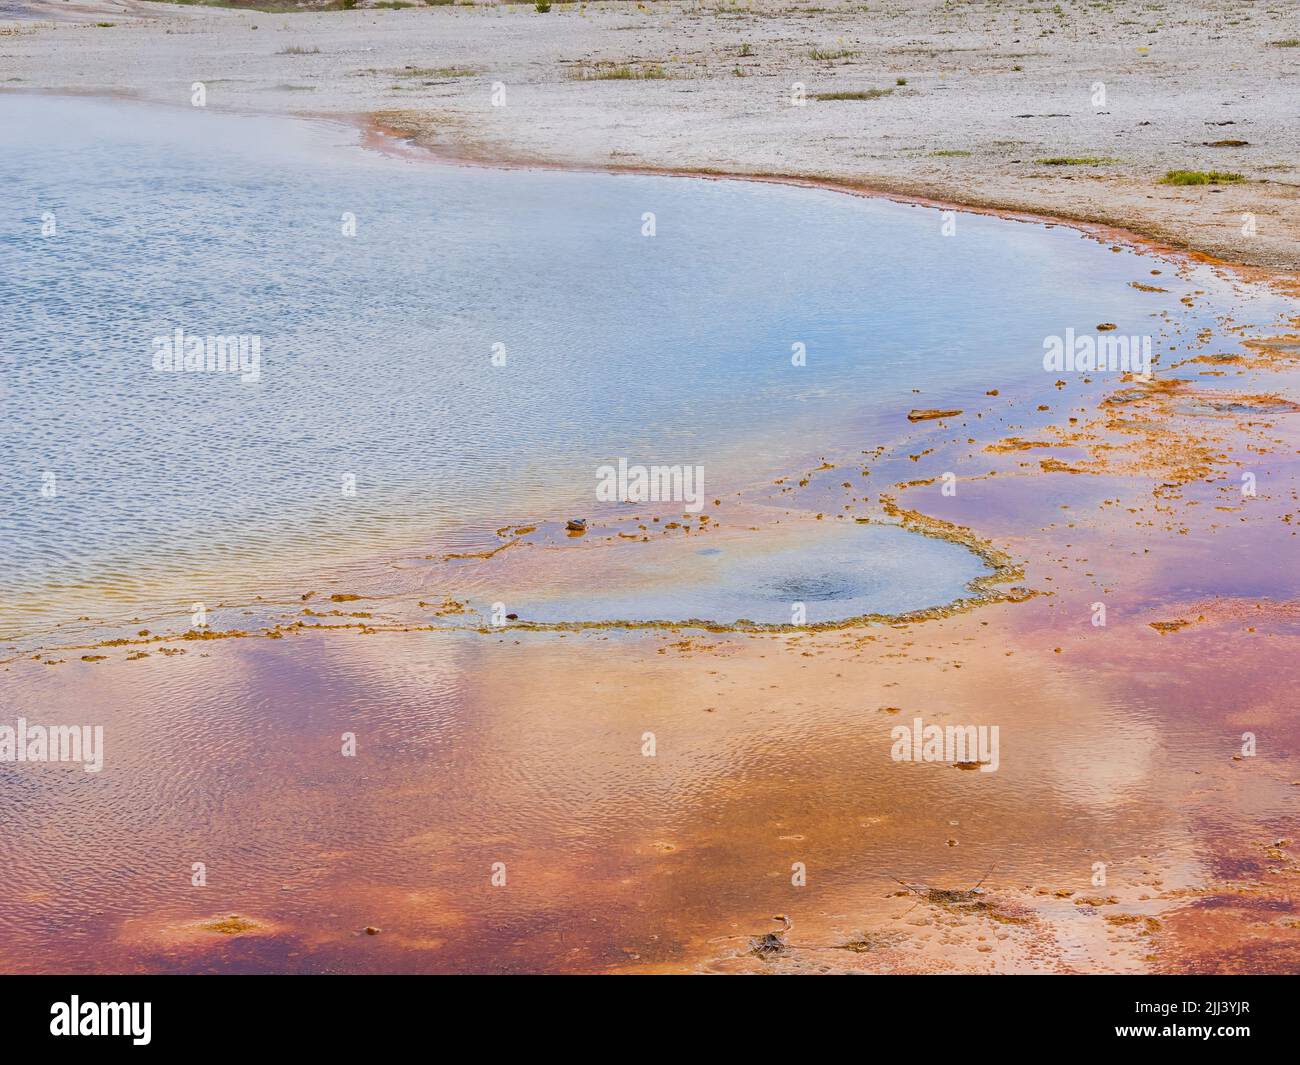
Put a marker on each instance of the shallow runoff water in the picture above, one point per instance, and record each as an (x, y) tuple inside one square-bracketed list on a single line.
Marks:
[(430, 352)]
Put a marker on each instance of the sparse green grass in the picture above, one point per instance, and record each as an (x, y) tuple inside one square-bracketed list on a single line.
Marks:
[(951, 153), (828, 54), (392, 5), (746, 49), (860, 94), (435, 72), (900, 81), (1201, 177), (1289, 42), (1075, 160), (621, 72), (297, 49), (1227, 144), (542, 6)]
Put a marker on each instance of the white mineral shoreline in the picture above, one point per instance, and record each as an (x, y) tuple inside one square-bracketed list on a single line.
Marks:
[(1176, 77)]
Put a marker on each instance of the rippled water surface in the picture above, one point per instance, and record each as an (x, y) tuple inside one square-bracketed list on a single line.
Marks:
[(649, 791), (828, 573), (123, 486)]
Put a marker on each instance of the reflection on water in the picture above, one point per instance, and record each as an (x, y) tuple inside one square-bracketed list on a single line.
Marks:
[(526, 752), (125, 489), (826, 572)]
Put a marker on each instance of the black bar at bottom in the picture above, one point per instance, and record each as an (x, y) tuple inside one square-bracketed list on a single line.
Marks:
[(335, 1013)]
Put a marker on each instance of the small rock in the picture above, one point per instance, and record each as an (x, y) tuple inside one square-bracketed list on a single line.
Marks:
[(925, 414), (578, 525), (371, 930)]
